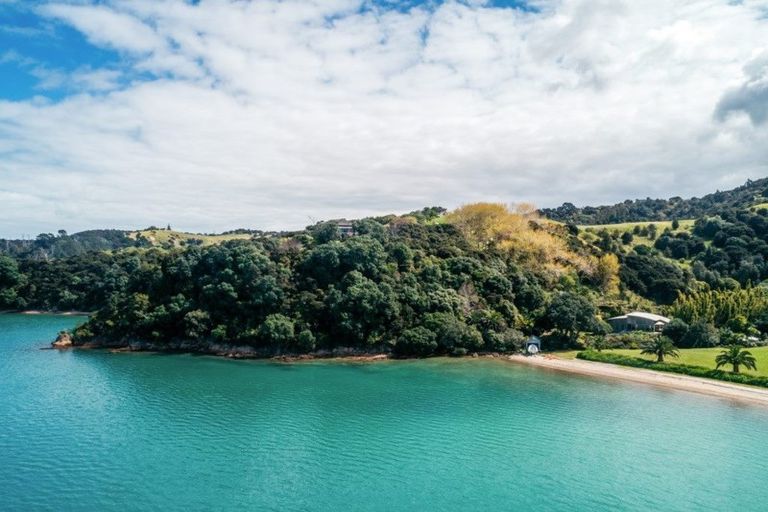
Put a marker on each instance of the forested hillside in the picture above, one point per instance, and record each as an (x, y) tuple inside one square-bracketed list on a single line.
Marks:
[(478, 279), (638, 210), (63, 245)]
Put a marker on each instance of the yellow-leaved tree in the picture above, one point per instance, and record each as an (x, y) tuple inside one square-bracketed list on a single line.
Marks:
[(529, 238), (607, 273)]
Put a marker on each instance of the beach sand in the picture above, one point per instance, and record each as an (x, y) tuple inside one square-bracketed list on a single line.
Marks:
[(711, 387)]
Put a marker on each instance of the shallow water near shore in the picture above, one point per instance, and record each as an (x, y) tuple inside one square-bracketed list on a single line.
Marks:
[(91, 430)]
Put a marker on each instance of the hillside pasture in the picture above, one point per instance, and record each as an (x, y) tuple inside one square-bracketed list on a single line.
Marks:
[(661, 225), (164, 237)]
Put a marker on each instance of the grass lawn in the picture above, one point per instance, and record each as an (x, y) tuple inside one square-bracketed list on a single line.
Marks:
[(661, 225), (589, 233), (161, 236), (693, 356)]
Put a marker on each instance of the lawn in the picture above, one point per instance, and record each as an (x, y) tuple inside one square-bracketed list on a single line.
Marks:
[(661, 225), (693, 356), (162, 236), (589, 233)]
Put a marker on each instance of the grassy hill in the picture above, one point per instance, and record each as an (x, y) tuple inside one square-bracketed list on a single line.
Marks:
[(170, 238), (685, 225), (591, 233)]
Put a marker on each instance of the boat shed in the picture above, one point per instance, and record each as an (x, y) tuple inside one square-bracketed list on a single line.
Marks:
[(533, 345)]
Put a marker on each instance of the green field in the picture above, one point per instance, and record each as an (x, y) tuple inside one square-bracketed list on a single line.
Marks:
[(685, 224), (693, 356), (164, 237)]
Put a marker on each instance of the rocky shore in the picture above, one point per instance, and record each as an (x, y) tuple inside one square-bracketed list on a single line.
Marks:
[(65, 341)]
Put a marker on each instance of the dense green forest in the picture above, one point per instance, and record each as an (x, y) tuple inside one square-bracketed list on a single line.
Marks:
[(479, 279), (62, 245)]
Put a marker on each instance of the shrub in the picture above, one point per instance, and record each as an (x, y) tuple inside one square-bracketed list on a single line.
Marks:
[(305, 342), (418, 341), (631, 339), (509, 340), (675, 330), (453, 333), (277, 330), (700, 334)]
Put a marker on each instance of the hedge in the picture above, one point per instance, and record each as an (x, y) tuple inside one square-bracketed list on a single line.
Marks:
[(694, 371)]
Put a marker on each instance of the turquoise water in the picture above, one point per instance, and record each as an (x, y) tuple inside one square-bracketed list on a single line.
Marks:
[(90, 430)]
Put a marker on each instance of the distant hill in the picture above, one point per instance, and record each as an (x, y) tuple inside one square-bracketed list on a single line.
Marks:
[(639, 210), (63, 245)]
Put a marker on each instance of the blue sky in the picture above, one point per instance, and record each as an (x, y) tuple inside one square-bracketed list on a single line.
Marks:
[(34, 45), (214, 115)]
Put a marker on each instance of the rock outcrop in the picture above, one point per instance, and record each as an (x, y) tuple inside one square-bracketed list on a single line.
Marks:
[(63, 340)]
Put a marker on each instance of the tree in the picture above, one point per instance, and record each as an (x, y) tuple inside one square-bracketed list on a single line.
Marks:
[(607, 274), (196, 324), (570, 313), (418, 341), (305, 341), (675, 330), (660, 347), (10, 278), (277, 330), (599, 343), (326, 232), (700, 334), (675, 224), (736, 357), (627, 237)]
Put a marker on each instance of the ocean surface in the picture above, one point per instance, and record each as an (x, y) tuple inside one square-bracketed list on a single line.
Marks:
[(96, 431)]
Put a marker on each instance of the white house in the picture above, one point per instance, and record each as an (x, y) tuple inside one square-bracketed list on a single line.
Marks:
[(638, 321)]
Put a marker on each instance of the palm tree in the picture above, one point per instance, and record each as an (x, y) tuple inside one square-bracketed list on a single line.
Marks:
[(736, 356), (660, 347)]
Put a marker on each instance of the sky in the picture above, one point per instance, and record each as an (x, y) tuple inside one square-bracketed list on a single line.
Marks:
[(218, 114)]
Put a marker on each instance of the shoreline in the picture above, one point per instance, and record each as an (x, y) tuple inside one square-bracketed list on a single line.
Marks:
[(710, 387), (43, 312), (237, 352), (673, 381)]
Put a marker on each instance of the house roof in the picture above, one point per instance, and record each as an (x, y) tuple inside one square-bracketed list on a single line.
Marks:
[(648, 316), (641, 314)]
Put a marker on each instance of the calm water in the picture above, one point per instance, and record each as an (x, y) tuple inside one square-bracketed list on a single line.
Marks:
[(98, 431)]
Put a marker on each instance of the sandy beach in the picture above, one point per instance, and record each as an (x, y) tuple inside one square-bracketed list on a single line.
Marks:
[(727, 390)]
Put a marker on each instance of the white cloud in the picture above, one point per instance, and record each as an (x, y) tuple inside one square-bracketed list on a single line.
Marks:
[(265, 113), (103, 25)]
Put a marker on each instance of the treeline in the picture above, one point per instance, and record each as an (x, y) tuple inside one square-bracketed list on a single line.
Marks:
[(660, 209), (482, 280), (63, 245), (727, 251)]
